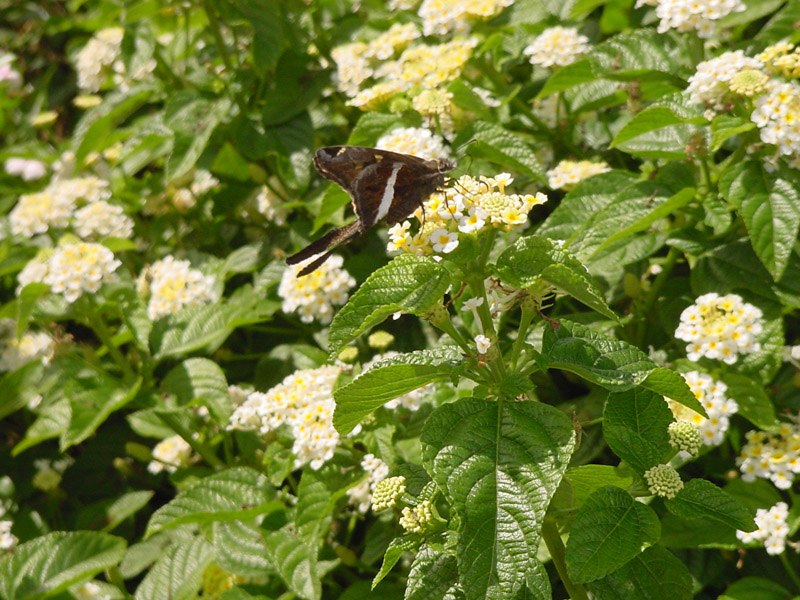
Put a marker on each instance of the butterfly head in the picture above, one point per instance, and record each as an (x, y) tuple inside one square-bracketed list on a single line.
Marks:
[(444, 165)]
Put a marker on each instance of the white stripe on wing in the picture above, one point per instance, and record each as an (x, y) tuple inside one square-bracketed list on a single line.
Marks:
[(388, 193)]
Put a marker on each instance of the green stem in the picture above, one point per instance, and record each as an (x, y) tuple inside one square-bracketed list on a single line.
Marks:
[(790, 570), (175, 424), (558, 553), (94, 319), (653, 292), (447, 326), (216, 32), (695, 48), (705, 178), (522, 332)]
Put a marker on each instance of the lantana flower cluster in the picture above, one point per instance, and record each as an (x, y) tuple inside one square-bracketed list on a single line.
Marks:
[(770, 80), (557, 47), (468, 206), (777, 114), (782, 59), (55, 207), (422, 65), (96, 58), (772, 528), (692, 15), (169, 455), (711, 394), (774, 456), (440, 17), (361, 494), (16, 352), (568, 173), (303, 402), (710, 85), (75, 269), (170, 285), (720, 328), (314, 296), (416, 141)]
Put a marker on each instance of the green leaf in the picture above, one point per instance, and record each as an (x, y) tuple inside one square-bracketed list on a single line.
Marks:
[(20, 387), (657, 574), (609, 530), (660, 210), (501, 147), (412, 284), (635, 427), (46, 566), (236, 493), (240, 548), (90, 407), (656, 117), (668, 383), (498, 463), (177, 575), (533, 260), (702, 499), (630, 56), (755, 405), (295, 562), (192, 124), (770, 206), (197, 327), (724, 127), (782, 25), (608, 362), (579, 206), (269, 37), (245, 259), (95, 127), (200, 379), (586, 479), (464, 97), (755, 588), (50, 424), (395, 551), (314, 505), (125, 506), (372, 125), (388, 379), (26, 302), (432, 575), (754, 10)]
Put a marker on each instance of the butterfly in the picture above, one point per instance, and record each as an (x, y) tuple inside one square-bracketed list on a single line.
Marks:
[(381, 185)]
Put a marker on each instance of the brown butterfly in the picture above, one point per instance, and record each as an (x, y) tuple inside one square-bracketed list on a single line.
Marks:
[(381, 184)]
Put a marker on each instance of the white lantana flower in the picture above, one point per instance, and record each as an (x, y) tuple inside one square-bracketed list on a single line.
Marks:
[(314, 295), (75, 269), (416, 141), (772, 528), (303, 401), (720, 328), (97, 57), (29, 169), (171, 285), (557, 46), (101, 219), (169, 455)]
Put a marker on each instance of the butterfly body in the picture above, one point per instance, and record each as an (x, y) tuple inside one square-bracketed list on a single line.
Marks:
[(382, 185)]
